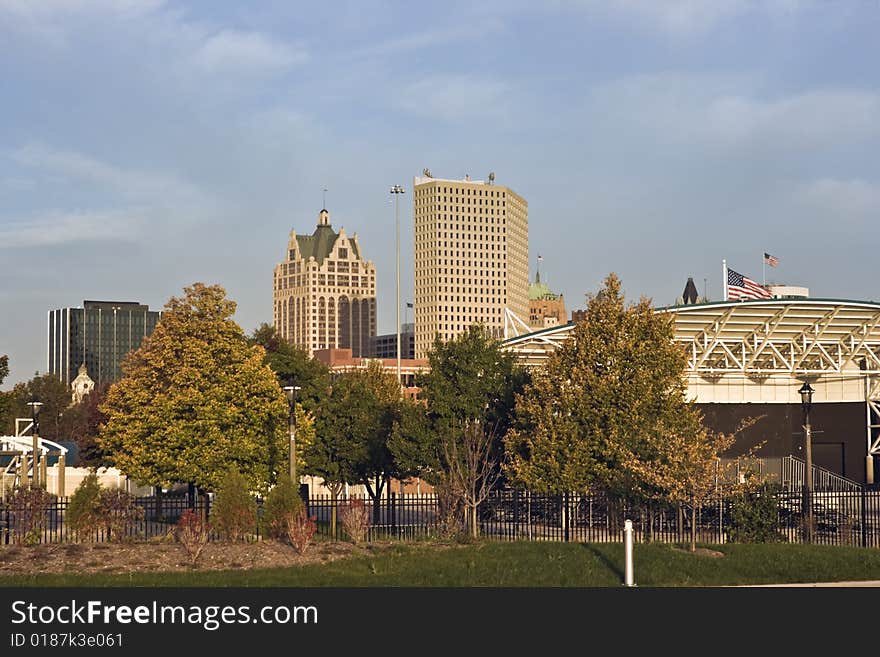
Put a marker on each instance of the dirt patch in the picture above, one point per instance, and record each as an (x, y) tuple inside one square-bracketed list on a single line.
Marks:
[(701, 552), (165, 557)]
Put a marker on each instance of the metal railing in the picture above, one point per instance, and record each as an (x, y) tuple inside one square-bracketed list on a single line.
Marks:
[(841, 517)]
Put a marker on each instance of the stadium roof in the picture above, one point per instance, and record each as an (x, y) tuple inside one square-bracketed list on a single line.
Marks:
[(799, 337)]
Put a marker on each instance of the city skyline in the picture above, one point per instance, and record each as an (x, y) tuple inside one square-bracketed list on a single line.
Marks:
[(154, 144)]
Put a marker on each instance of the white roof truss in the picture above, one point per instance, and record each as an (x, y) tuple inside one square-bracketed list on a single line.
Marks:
[(797, 337)]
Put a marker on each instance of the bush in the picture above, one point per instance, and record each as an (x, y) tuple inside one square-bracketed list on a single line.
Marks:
[(281, 502), (84, 511), (300, 529), (119, 514), (29, 506), (355, 519), (755, 517), (193, 532), (235, 509)]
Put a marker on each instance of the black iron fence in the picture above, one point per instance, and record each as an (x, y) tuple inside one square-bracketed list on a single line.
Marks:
[(840, 517)]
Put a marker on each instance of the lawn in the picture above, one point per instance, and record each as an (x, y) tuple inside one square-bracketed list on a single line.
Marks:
[(522, 564)]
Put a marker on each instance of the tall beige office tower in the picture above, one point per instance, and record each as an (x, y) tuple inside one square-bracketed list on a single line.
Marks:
[(471, 257), (325, 293)]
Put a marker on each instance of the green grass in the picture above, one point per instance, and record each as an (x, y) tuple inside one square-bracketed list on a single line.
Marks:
[(525, 565)]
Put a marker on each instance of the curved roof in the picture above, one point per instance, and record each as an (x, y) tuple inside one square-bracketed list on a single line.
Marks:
[(320, 243), (756, 338), (539, 290)]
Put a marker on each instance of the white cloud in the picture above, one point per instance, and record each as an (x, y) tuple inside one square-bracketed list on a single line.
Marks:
[(729, 112), (55, 9), (433, 38), (55, 228), (231, 51), (689, 17), (141, 186), (853, 200), (816, 117), (455, 97)]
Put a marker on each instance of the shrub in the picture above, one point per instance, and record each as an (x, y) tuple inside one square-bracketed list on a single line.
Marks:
[(755, 517), (235, 510), (84, 511), (29, 506), (355, 519), (282, 501), (119, 514), (193, 532), (300, 529)]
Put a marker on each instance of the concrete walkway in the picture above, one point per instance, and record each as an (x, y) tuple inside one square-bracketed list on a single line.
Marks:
[(866, 583)]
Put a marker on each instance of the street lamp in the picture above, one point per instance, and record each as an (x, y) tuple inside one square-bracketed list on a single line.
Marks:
[(806, 392), (35, 445), (290, 391), (397, 190)]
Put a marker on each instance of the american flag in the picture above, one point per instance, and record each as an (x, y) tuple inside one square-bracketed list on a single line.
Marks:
[(742, 287), (771, 259)]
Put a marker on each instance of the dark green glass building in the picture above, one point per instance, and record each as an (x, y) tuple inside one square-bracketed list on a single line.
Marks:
[(99, 334)]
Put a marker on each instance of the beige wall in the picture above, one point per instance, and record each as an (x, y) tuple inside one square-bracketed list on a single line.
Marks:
[(734, 389), (107, 477), (471, 257), (329, 304)]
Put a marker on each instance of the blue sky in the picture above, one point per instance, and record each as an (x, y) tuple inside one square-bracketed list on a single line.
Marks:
[(146, 145)]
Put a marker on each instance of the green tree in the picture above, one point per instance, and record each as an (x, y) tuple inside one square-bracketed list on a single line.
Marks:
[(608, 411), (454, 439), (235, 510), (196, 400), (84, 511), (281, 504), (352, 432), (293, 365), (4, 368), (55, 397)]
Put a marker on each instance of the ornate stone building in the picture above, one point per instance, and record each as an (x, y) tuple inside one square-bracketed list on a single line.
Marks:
[(82, 385), (545, 307), (325, 292)]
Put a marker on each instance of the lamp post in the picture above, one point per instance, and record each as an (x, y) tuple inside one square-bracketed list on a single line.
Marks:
[(290, 391), (806, 392), (397, 190), (35, 445)]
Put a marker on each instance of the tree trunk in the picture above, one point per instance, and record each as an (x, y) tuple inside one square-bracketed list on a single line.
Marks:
[(333, 512), (472, 512), (694, 527)]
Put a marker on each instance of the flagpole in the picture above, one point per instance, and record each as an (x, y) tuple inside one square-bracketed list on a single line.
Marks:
[(724, 278), (764, 266)]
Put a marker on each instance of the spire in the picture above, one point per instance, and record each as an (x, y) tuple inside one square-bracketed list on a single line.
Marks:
[(324, 218), (690, 291)]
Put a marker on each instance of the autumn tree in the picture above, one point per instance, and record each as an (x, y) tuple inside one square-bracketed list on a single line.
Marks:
[(454, 438), (608, 412), (196, 400), (352, 432), (81, 424), (4, 396)]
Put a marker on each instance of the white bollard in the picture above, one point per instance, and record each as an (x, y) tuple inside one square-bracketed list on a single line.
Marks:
[(628, 553)]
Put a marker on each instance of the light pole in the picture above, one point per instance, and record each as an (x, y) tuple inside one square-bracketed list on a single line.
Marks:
[(35, 445), (290, 391), (806, 392), (397, 190)]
